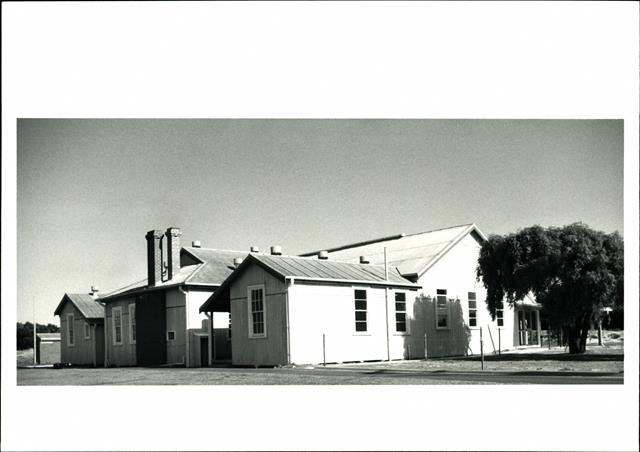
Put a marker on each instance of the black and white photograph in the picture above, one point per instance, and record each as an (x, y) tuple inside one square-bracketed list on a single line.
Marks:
[(234, 214)]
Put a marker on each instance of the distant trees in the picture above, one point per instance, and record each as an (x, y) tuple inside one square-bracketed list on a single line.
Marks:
[(25, 333), (573, 271)]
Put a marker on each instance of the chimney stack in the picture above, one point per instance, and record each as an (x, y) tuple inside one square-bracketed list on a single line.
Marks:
[(364, 260), (323, 255), (173, 251), (255, 249), (154, 256), (276, 251)]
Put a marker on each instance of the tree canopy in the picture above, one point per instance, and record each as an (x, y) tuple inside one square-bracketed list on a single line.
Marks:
[(573, 271), (25, 333)]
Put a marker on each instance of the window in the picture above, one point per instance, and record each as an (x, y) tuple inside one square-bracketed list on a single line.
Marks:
[(87, 331), (255, 299), (401, 312), (500, 314), (473, 309), (132, 323), (171, 335), (70, 330), (361, 309), (229, 330), (442, 310), (117, 325)]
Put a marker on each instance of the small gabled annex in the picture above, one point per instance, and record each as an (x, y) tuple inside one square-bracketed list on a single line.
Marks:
[(291, 310), (81, 329)]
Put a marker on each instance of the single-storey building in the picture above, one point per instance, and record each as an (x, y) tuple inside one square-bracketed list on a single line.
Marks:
[(294, 310), (450, 308), (81, 329), (156, 321), (47, 348)]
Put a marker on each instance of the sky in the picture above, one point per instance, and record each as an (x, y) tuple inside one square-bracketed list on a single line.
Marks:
[(89, 190)]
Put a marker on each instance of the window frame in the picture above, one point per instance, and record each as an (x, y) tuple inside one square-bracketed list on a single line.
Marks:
[(475, 309), (71, 330), (448, 309), (117, 309), (406, 331), (87, 330), (132, 324), (171, 339), (250, 325), (355, 323), (500, 315)]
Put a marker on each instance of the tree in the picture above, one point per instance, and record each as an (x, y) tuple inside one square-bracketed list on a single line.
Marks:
[(25, 333), (573, 272)]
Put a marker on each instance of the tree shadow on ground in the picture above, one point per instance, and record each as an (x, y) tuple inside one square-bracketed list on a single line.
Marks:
[(547, 357)]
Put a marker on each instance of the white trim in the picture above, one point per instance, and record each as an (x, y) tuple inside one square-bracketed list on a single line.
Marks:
[(253, 335), (407, 330), (87, 329), (113, 324), (448, 305), (132, 315), (71, 330), (366, 332), (475, 294), (174, 336)]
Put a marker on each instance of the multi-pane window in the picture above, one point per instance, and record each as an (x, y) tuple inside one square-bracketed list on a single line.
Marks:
[(500, 314), (87, 331), (401, 312), (360, 296), (117, 325), (473, 309), (442, 309), (171, 335), (132, 323), (256, 311), (70, 330)]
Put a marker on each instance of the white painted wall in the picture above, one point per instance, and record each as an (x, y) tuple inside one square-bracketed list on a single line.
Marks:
[(455, 272), (315, 310)]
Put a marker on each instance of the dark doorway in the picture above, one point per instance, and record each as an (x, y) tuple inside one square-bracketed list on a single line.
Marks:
[(151, 346), (204, 351)]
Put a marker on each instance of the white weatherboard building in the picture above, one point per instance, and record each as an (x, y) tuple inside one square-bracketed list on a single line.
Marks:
[(293, 310), (200, 305), (450, 308)]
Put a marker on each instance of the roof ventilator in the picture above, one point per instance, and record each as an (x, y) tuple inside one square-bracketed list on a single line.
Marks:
[(276, 251)]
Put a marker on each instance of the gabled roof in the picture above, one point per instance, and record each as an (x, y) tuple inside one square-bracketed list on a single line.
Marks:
[(413, 254), (89, 307), (204, 267), (310, 269)]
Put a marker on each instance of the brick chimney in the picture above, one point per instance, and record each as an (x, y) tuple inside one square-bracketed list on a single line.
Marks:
[(154, 256), (173, 251)]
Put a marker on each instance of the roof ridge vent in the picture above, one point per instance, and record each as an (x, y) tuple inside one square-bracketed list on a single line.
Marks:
[(196, 244), (276, 250), (364, 260), (255, 249), (323, 255)]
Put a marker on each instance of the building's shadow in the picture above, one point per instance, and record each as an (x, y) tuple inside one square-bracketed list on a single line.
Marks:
[(453, 340)]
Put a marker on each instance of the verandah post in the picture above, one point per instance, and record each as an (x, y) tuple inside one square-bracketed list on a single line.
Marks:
[(481, 351)]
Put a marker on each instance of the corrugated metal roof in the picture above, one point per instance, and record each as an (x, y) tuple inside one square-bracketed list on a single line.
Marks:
[(311, 269), (218, 265), (215, 267), (410, 253), (89, 307), (314, 269)]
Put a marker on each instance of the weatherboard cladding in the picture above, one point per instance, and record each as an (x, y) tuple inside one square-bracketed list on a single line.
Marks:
[(85, 303), (410, 253)]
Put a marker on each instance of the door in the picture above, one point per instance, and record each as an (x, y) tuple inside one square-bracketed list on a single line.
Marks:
[(204, 351)]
